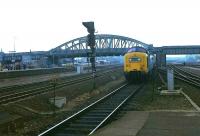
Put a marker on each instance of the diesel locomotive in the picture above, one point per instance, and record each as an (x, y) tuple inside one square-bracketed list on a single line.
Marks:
[(138, 64)]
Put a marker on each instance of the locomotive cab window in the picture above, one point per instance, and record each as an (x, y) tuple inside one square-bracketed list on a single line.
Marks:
[(135, 59)]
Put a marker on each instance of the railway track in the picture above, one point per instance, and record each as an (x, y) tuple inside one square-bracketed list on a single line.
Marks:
[(196, 66), (185, 76), (22, 92), (61, 79), (89, 119)]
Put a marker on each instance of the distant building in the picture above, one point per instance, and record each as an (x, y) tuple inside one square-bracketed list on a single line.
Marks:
[(13, 61)]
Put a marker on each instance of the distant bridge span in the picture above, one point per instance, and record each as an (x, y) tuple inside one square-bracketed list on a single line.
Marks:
[(106, 45)]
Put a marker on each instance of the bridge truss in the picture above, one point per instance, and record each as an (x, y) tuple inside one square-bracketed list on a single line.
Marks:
[(105, 45)]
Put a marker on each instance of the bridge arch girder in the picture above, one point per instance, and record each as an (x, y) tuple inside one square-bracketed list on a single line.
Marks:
[(113, 44)]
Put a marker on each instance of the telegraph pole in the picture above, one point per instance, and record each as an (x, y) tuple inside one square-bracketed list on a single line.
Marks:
[(91, 44)]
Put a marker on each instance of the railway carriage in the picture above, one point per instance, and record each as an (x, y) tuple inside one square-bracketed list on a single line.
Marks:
[(138, 64)]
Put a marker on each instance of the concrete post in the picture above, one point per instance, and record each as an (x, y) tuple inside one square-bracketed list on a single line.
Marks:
[(170, 79)]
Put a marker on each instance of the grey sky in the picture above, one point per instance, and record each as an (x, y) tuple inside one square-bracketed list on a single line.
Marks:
[(45, 24)]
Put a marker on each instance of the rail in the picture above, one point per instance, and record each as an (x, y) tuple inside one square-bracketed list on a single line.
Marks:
[(89, 119), (185, 76), (19, 94)]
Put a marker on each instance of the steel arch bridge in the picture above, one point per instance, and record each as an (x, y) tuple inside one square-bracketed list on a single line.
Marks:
[(106, 45)]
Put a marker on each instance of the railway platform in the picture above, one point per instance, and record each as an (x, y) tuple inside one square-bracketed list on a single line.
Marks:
[(154, 123)]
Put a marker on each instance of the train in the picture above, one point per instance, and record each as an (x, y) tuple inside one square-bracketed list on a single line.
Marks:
[(138, 64)]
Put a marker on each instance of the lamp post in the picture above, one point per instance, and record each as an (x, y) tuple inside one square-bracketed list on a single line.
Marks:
[(12, 59), (13, 54)]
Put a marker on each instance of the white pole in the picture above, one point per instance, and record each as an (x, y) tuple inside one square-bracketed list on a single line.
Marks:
[(170, 79)]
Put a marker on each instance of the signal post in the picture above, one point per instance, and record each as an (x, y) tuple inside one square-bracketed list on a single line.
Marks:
[(91, 44)]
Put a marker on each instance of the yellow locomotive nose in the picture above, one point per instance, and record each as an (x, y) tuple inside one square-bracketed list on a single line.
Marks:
[(142, 67), (135, 62)]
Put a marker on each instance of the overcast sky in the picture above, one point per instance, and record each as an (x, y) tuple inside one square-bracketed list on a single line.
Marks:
[(44, 24)]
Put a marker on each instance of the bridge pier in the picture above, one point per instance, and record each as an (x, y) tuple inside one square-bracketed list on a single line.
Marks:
[(160, 59)]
